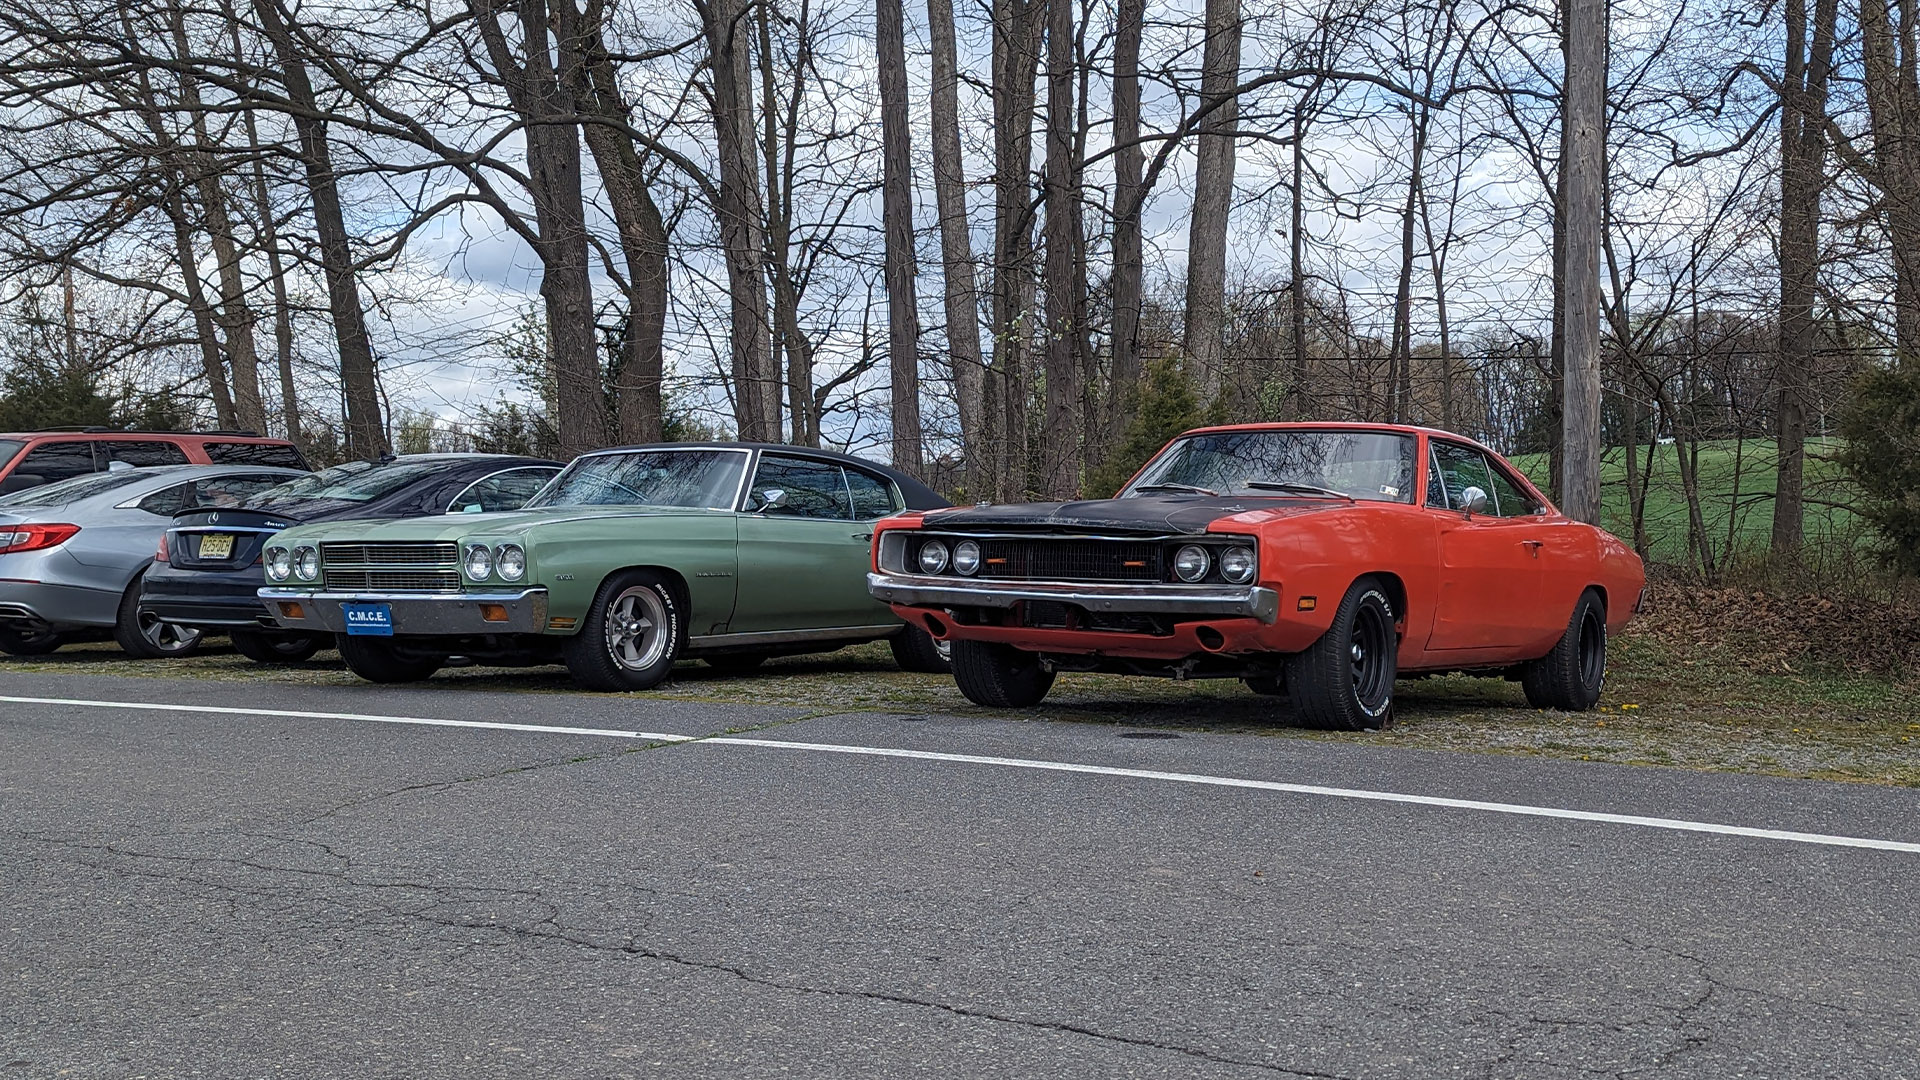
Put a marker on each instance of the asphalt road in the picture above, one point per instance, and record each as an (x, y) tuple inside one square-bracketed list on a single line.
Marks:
[(231, 894)]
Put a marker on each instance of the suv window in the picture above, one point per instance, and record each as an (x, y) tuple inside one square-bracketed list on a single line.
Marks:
[(815, 489), (57, 461), (240, 453), (140, 453), (872, 496), (504, 490)]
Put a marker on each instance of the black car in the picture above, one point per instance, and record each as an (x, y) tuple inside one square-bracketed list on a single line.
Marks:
[(207, 568)]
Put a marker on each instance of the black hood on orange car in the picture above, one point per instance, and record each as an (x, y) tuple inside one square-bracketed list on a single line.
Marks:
[(1154, 515)]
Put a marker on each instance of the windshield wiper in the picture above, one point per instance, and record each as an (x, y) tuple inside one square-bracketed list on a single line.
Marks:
[(1177, 487), (1289, 485)]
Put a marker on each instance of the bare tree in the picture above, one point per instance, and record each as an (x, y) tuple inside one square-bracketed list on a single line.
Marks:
[(1583, 165), (965, 362), (903, 317), (1213, 192)]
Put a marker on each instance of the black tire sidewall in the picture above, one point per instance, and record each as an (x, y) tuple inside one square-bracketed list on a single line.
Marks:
[(263, 648), (374, 660), (1320, 680), (588, 658)]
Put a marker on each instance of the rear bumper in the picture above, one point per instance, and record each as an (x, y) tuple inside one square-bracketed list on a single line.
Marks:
[(414, 614), (1190, 601), (204, 598), (39, 603)]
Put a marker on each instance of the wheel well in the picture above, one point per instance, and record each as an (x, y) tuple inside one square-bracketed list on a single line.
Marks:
[(1601, 592), (1396, 592), (681, 594)]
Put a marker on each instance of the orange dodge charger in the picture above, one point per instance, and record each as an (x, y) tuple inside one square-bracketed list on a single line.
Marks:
[(1320, 561)]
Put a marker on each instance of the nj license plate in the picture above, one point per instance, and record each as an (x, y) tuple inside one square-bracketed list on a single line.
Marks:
[(216, 546), (368, 620)]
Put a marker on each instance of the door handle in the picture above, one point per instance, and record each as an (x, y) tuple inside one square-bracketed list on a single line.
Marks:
[(863, 536), (1533, 546)]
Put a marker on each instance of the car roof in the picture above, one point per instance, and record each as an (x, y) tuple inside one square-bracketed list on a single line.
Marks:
[(917, 494), (76, 434)]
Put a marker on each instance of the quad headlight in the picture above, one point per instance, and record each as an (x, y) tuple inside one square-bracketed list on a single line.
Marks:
[(1237, 565), (933, 557), (306, 563), (966, 557), (1191, 563), (479, 562), (510, 562), (279, 564)]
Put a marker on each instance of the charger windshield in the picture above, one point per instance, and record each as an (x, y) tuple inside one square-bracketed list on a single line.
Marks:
[(1370, 466)]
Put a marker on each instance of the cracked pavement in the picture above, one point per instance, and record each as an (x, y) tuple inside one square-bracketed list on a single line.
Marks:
[(189, 895)]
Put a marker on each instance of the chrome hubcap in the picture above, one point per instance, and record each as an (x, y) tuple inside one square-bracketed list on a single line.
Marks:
[(637, 629)]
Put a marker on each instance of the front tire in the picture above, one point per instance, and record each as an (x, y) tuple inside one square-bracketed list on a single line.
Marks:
[(1571, 676), (1344, 681), (916, 650), (264, 648), (999, 676), (18, 641), (378, 661), (141, 633), (631, 637)]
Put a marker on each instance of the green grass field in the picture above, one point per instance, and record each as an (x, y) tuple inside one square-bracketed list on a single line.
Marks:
[(1736, 489)]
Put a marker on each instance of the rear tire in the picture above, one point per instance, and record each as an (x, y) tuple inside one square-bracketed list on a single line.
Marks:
[(265, 648), (916, 650), (1571, 676), (999, 676), (18, 641), (1344, 681), (631, 637), (141, 634), (378, 661), (737, 663)]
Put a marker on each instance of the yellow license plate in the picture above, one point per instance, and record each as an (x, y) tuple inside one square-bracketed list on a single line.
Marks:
[(216, 546)]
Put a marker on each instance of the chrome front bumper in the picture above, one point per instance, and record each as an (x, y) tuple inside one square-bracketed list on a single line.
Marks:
[(413, 613), (1199, 601)]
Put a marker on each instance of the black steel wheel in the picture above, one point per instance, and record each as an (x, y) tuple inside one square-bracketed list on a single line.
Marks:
[(999, 676), (1571, 677), (1344, 681), (264, 647)]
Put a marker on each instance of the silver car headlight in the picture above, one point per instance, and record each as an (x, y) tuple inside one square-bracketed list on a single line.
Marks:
[(306, 563), (966, 557), (1190, 563), (1236, 565), (479, 562), (510, 562), (279, 564), (933, 557)]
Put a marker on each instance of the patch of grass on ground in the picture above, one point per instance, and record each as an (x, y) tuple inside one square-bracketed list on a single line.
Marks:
[(1676, 696)]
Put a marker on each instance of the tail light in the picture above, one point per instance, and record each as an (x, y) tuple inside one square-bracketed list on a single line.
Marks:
[(34, 537), (161, 554)]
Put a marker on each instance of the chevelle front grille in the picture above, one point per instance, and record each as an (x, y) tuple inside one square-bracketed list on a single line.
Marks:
[(1072, 559), (395, 566)]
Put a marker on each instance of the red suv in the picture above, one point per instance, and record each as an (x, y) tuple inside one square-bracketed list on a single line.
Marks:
[(44, 457)]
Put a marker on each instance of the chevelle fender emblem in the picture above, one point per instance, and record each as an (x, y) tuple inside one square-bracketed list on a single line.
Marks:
[(711, 573)]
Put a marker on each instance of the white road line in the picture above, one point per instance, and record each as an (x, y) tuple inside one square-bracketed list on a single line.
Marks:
[(1522, 809), (428, 721)]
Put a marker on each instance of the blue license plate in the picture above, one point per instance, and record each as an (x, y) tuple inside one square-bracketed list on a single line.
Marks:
[(370, 620)]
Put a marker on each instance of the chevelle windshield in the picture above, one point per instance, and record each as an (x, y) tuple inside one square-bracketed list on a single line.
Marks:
[(1369, 465), (707, 479)]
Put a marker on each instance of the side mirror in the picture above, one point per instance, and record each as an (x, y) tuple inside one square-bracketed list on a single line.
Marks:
[(1473, 500), (770, 499)]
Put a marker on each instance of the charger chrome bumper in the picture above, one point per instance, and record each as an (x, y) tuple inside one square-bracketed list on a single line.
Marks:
[(1199, 601)]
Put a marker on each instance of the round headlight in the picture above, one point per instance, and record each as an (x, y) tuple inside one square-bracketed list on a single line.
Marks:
[(479, 562), (1236, 565), (1190, 563), (511, 562), (933, 557), (966, 557), (279, 563), (306, 564)]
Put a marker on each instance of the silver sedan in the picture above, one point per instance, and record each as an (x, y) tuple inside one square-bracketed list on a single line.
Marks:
[(72, 553)]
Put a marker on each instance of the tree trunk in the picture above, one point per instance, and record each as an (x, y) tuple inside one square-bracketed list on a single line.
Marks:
[(1297, 268), (1583, 164), (1803, 152), (956, 250), (1060, 449), (1400, 394), (203, 326), (1892, 84), (593, 82), (366, 435), (903, 316), (1128, 193), (756, 385), (1016, 62), (1212, 197)]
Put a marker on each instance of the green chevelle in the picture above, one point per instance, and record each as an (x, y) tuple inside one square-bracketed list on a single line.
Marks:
[(627, 561)]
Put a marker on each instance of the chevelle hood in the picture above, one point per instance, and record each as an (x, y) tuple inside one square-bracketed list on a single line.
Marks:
[(1156, 515), (504, 523)]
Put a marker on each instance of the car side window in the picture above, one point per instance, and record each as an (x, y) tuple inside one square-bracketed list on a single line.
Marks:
[(1510, 499), (503, 490), (140, 453), (814, 489), (57, 461), (872, 496), (240, 453), (1462, 467), (1436, 490), (167, 501), (220, 491)]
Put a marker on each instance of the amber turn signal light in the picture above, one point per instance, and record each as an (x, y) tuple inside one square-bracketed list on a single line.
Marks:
[(1306, 603), (493, 612), (289, 610)]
